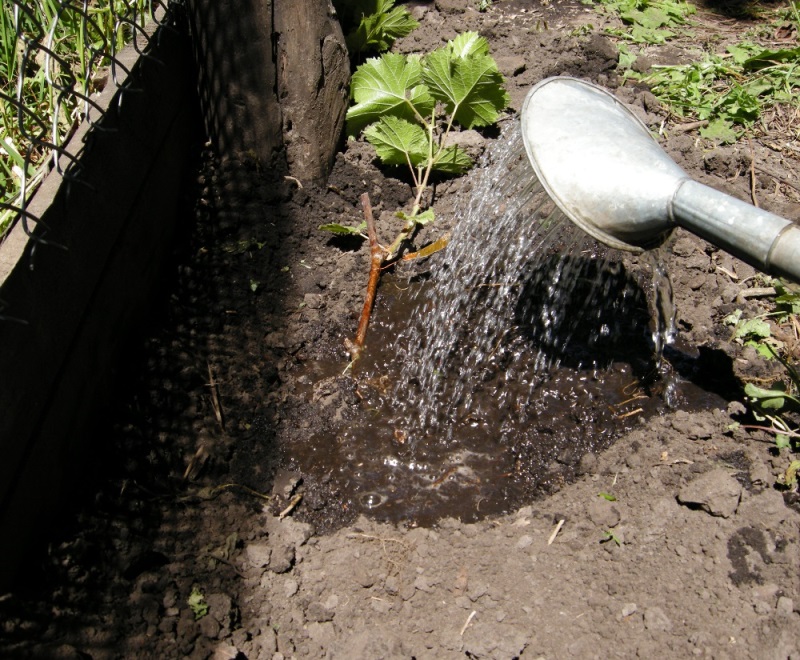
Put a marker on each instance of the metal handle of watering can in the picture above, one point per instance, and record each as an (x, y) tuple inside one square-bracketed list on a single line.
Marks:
[(762, 239)]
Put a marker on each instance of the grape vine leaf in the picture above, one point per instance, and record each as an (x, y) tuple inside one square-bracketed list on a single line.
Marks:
[(344, 230), (381, 24), (423, 218), (387, 85), (470, 86), (398, 142), (452, 160)]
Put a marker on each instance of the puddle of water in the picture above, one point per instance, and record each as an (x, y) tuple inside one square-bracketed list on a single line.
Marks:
[(482, 388)]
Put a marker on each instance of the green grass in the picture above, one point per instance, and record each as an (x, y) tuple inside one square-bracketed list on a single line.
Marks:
[(31, 106), (738, 90)]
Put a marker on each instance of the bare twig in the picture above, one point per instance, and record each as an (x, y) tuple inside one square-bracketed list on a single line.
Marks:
[(753, 175), (468, 621), (292, 504), (755, 292), (727, 272), (377, 256), (197, 463), (555, 532), (777, 177), (215, 402), (771, 429), (689, 126)]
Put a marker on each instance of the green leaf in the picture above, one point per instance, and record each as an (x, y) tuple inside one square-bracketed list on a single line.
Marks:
[(469, 43), (398, 142), (790, 476), (378, 30), (452, 160), (388, 85), (740, 105), (770, 57), (607, 496), (733, 317), (719, 131), (197, 603), (344, 230), (470, 86), (782, 441), (773, 399), (753, 328), (765, 351), (626, 57), (424, 218), (743, 51)]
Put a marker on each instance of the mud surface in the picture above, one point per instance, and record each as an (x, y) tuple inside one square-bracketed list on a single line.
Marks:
[(241, 466)]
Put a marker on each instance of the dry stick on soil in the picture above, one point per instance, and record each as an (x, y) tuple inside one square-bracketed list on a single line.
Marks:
[(690, 126), (469, 620), (777, 177), (292, 504), (753, 174), (215, 402), (556, 531)]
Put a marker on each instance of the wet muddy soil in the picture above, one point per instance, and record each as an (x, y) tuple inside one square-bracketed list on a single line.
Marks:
[(247, 498)]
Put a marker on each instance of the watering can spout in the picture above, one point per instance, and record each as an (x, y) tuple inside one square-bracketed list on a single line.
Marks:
[(604, 170)]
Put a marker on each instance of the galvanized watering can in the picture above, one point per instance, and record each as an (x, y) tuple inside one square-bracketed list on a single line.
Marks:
[(604, 170)]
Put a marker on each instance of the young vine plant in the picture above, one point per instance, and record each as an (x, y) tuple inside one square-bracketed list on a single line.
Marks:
[(407, 106)]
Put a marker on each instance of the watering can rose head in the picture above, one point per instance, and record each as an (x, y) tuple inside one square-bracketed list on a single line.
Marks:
[(604, 170)]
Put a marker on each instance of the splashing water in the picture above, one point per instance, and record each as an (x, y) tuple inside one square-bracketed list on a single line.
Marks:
[(517, 274)]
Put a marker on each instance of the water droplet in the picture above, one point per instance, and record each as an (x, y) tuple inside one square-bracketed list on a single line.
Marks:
[(372, 500)]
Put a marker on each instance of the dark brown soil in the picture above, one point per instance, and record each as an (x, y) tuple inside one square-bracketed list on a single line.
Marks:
[(227, 468)]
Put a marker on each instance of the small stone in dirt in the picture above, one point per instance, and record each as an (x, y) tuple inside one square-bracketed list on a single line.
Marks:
[(289, 531), (716, 492), (691, 425), (628, 609), (450, 6), (282, 558), (656, 619), (313, 300), (209, 627), (290, 588), (470, 141), (785, 606), (225, 651), (642, 64), (317, 612), (423, 584), (477, 591), (390, 585), (258, 554), (684, 247), (511, 65), (587, 464), (264, 645), (603, 513), (524, 541), (762, 608)]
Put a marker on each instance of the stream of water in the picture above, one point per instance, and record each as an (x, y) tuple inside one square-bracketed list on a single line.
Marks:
[(516, 271)]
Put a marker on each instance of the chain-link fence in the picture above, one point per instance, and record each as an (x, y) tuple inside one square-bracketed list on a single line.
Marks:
[(56, 56)]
